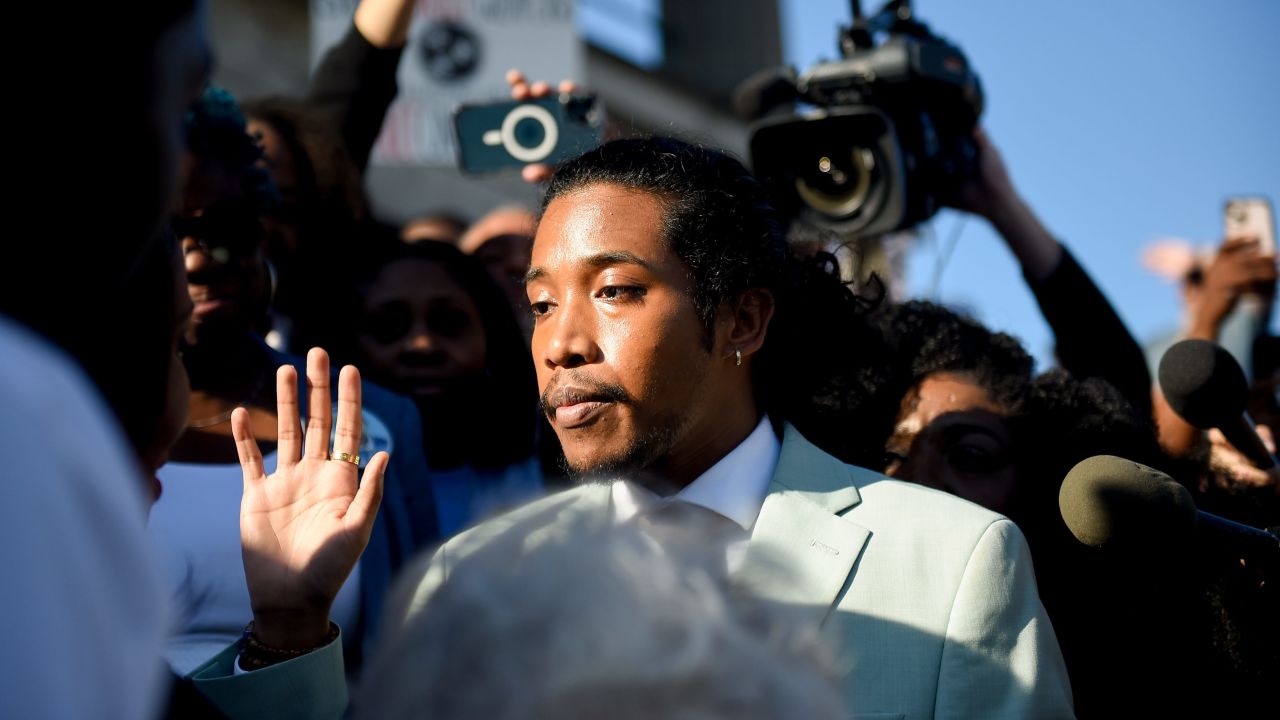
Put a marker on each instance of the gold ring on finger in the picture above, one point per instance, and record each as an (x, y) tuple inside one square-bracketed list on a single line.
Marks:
[(345, 457)]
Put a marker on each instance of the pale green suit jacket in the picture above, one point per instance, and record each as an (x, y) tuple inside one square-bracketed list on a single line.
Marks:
[(932, 599), (311, 687)]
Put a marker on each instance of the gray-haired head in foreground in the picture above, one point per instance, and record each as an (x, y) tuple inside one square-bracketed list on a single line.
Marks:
[(584, 620)]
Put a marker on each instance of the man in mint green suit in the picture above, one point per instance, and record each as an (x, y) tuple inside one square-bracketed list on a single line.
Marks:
[(675, 340), (932, 598)]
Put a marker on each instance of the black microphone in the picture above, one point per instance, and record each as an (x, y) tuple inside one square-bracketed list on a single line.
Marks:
[(764, 91), (1207, 388), (1109, 502)]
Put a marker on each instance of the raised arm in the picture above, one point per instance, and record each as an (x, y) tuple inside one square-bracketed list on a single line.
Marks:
[(355, 82), (1091, 339)]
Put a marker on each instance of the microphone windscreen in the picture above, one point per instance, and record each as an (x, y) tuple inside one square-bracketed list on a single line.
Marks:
[(1203, 384), (1110, 502)]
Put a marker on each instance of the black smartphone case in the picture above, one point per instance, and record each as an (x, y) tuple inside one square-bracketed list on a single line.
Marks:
[(510, 134)]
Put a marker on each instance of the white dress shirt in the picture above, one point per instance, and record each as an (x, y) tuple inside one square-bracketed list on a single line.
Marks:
[(733, 488)]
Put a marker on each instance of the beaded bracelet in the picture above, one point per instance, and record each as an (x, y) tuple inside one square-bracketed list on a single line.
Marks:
[(255, 654)]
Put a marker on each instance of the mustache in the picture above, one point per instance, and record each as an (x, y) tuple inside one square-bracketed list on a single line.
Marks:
[(572, 386)]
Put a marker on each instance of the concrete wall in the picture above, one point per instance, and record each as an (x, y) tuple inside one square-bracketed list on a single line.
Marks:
[(260, 46)]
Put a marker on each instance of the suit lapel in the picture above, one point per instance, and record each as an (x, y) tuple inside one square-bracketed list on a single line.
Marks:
[(801, 551)]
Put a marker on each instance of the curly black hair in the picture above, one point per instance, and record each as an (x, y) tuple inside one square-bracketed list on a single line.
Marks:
[(718, 219), (217, 134), (1066, 420), (328, 181), (926, 338)]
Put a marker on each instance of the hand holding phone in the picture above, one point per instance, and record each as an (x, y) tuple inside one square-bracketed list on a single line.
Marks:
[(515, 133), (1250, 217)]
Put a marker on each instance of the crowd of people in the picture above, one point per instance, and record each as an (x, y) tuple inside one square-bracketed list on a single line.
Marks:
[(628, 454)]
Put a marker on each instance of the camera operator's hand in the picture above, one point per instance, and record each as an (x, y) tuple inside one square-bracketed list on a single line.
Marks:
[(1239, 267), (990, 194), (990, 190), (522, 89)]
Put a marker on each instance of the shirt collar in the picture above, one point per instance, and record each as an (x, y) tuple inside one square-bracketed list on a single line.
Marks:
[(734, 487)]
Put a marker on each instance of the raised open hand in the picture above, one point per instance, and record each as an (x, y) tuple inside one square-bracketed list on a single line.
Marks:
[(303, 527)]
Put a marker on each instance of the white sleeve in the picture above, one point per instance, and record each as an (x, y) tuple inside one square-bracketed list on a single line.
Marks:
[(1001, 658), (84, 610)]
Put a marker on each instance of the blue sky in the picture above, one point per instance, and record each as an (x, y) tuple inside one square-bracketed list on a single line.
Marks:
[(1121, 122)]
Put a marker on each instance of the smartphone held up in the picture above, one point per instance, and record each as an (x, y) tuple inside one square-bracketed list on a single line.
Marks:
[(513, 133), (1250, 217)]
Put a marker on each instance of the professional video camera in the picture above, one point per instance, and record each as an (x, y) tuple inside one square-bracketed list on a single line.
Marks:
[(889, 138)]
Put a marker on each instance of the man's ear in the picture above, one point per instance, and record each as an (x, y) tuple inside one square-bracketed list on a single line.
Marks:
[(747, 323)]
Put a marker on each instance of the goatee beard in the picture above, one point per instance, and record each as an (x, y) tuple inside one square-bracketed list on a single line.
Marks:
[(642, 461)]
